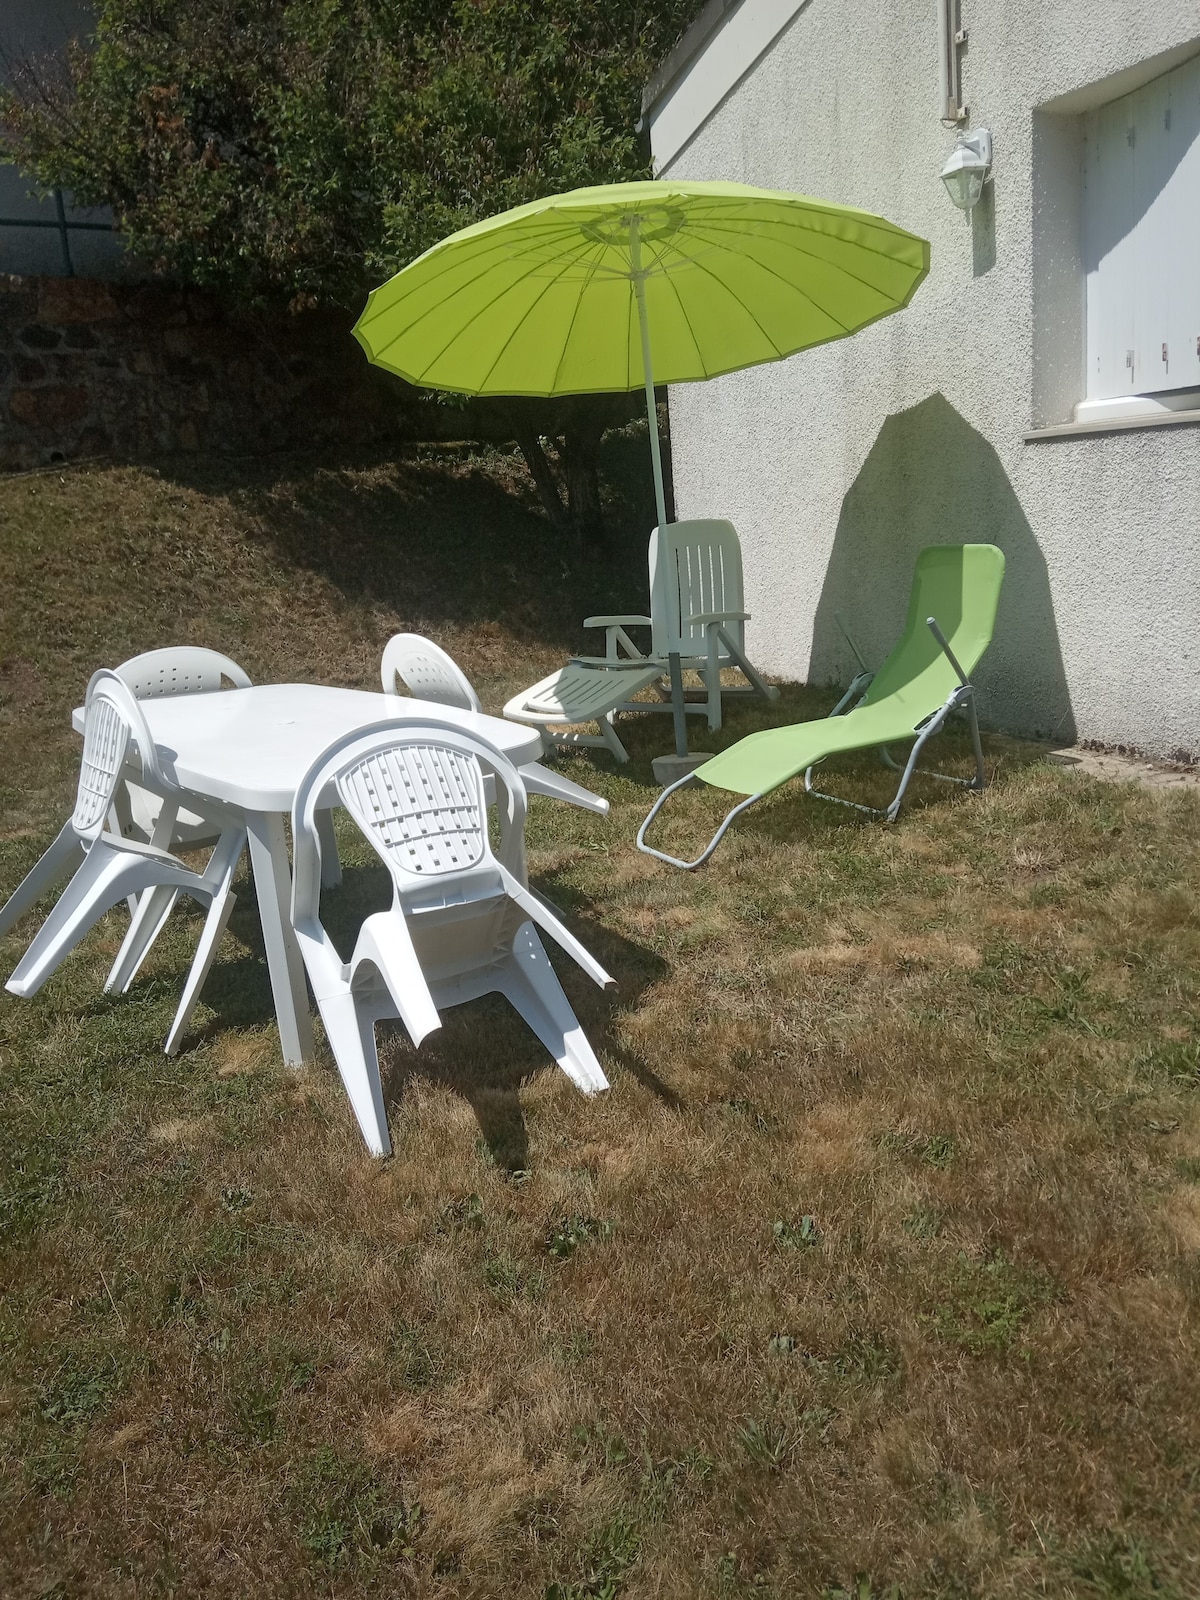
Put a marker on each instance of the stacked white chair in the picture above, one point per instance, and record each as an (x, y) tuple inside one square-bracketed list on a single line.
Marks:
[(159, 819), (114, 867), (462, 922), (430, 674)]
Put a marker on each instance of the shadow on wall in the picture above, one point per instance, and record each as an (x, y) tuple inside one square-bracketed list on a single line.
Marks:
[(932, 479)]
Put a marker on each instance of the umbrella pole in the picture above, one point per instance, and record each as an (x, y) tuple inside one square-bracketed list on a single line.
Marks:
[(678, 713)]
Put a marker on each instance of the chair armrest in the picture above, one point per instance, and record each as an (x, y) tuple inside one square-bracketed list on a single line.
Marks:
[(707, 618), (616, 622)]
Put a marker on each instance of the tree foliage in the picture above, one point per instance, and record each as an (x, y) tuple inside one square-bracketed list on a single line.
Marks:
[(299, 151), (308, 148)]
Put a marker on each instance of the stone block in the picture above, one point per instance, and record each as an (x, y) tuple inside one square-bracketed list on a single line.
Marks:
[(39, 337), (49, 408), (80, 337), (63, 300), (29, 370)]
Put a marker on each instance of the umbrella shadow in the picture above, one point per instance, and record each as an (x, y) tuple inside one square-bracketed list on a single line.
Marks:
[(930, 478)]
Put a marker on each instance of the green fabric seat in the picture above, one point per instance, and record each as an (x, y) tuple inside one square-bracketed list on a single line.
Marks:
[(957, 587)]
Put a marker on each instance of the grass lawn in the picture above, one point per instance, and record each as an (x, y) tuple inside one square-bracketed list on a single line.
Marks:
[(875, 1274)]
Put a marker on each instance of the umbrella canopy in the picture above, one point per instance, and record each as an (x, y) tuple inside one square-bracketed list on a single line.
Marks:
[(543, 300)]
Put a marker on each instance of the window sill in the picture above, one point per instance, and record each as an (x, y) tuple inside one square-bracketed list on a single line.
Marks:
[(1072, 430)]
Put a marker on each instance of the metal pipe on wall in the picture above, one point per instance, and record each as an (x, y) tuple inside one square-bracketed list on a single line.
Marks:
[(950, 38)]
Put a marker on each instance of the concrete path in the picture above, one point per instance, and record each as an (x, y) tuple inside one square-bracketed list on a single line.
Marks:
[(1125, 768)]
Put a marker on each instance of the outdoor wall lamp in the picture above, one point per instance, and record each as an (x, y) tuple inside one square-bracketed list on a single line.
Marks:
[(968, 167)]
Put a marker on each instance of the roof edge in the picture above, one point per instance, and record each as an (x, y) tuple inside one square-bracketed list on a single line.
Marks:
[(694, 40)]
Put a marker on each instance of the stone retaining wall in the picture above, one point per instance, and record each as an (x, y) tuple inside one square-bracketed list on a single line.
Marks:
[(90, 368)]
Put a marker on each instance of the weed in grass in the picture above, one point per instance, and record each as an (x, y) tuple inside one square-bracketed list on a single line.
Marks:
[(73, 1394), (862, 1587), (564, 1236), (603, 1563), (347, 1517), (781, 1344), (1175, 1064), (924, 1223), (54, 1468), (595, 1441), (573, 1349), (1118, 1567), (465, 1213), (1188, 1168), (413, 1358), (935, 1150), (988, 1303), (801, 1235), (31, 1180), (866, 1358), (767, 1443)]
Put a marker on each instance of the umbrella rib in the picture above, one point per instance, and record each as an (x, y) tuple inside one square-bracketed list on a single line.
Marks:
[(529, 310), (687, 320), (440, 307), (493, 246), (701, 268), (797, 225), (775, 273), (587, 283)]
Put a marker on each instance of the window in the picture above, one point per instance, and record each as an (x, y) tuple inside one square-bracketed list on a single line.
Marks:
[(1141, 248)]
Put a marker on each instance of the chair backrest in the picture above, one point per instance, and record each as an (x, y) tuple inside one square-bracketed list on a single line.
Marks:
[(959, 585), (179, 669), (427, 672), (111, 719), (695, 567), (416, 790)]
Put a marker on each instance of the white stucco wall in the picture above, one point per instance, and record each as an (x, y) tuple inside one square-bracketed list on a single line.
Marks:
[(839, 464)]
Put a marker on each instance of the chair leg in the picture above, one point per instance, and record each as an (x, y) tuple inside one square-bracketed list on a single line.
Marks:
[(210, 937), (767, 690), (331, 866), (351, 1037), (149, 918), (105, 877), (712, 678), (609, 734), (42, 876), (530, 985)]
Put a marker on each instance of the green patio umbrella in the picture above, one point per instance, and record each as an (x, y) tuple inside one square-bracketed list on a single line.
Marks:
[(630, 284)]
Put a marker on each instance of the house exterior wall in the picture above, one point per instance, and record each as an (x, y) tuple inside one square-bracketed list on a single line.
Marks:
[(839, 464)]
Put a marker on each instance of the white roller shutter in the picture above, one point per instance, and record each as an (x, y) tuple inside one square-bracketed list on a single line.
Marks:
[(1142, 239)]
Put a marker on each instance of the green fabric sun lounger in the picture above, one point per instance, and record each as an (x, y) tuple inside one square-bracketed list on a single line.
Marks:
[(951, 613)]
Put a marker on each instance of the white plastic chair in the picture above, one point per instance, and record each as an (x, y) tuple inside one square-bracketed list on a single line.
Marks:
[(159, 819), (176, 669), (114, 867), (461, 923), (696, 613), (430, 674), (426, 671)]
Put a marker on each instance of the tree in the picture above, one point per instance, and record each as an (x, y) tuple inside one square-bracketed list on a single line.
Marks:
[(298, 151)]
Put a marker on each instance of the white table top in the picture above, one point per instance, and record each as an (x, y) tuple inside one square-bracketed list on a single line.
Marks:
[(251, 747)]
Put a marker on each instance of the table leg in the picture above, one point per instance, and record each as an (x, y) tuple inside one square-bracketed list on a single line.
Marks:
[(273, 885)]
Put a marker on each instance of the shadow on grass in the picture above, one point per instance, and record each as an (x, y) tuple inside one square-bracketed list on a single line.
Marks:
[(445, 535)]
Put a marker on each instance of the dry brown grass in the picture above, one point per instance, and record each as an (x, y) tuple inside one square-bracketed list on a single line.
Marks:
[(875, 1273)]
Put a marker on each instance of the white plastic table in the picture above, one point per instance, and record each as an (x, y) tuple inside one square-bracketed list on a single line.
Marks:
[(250, 748)]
